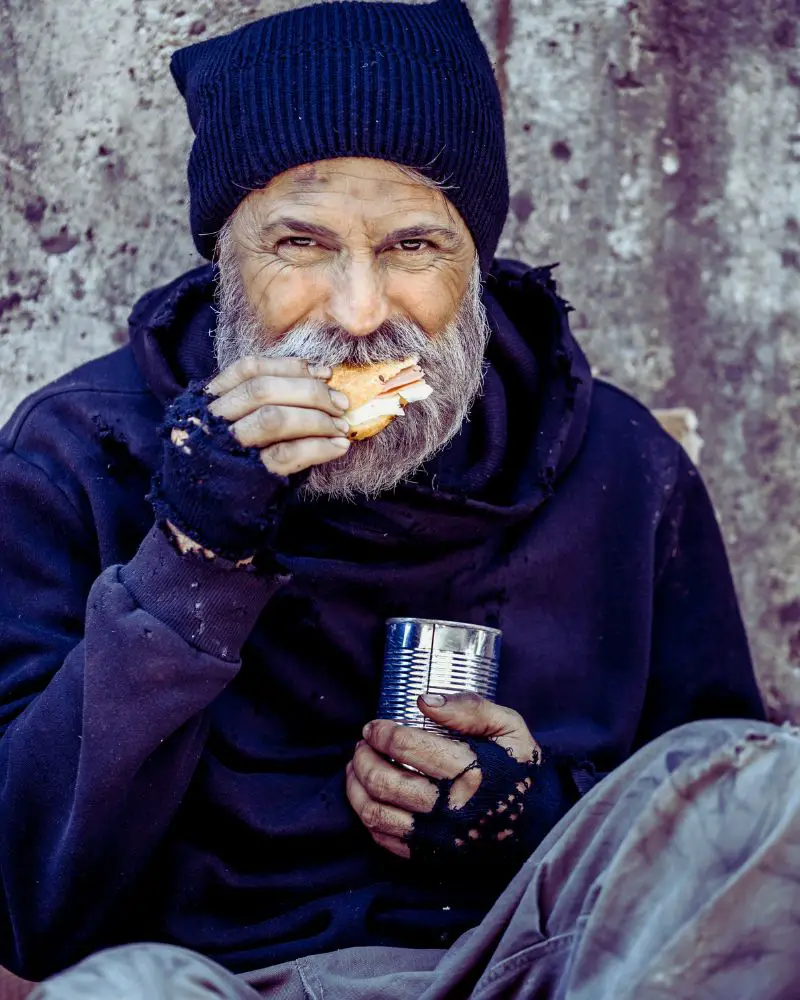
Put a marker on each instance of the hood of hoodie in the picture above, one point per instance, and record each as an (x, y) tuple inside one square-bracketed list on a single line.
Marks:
[(522, 434)]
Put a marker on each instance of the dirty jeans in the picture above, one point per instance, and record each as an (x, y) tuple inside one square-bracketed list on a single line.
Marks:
[(677, 876)]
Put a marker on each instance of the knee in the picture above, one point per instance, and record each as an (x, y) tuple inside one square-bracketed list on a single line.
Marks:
[(137, 972), (695, 744), (750, 759), (708, 735)]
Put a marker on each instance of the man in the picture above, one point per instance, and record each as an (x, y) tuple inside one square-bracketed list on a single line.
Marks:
[(192, 621)]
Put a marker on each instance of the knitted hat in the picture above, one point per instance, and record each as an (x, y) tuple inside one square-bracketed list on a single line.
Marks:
[(409, 83)]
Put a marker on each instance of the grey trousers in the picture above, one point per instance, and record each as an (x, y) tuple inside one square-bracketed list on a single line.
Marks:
[(678, 876)]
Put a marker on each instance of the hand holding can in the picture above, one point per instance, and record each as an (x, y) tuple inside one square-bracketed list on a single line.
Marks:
[(430, 656)]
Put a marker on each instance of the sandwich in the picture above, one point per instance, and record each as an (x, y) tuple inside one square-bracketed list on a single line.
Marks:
[(378, 393)]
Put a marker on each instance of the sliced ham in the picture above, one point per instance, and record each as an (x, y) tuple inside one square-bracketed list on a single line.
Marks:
[(406, 377)]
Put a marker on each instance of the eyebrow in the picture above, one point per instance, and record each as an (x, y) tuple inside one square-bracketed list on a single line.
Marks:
[(297, 226), (444, 233)]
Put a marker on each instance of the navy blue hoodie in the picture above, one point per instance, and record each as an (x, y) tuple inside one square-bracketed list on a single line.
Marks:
[(175, 731)]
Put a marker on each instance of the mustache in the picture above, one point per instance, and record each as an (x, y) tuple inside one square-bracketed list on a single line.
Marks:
[(328, 344)]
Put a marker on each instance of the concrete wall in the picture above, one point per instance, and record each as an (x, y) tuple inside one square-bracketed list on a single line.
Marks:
[(654, 150)]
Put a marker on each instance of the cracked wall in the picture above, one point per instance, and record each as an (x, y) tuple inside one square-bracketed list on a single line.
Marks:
[(654, 150)]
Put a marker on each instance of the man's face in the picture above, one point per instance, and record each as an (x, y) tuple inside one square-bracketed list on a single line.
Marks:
[(352, 260)]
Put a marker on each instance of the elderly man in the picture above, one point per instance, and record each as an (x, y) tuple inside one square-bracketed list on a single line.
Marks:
[(197, 564)]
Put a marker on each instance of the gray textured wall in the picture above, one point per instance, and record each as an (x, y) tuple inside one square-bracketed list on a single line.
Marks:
[(654, 149)]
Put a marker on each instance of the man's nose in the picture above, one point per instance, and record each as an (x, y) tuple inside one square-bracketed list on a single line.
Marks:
[(358, 303)]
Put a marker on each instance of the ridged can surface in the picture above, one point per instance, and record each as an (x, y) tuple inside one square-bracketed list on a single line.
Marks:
[(427, 655)]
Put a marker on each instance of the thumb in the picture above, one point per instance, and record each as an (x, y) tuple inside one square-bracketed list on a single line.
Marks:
[(466, 712)]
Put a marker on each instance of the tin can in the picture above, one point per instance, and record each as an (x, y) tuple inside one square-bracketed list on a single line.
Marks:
[(426, 655)]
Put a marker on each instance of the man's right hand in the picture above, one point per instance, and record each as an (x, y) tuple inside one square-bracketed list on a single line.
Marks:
[(283, 407)]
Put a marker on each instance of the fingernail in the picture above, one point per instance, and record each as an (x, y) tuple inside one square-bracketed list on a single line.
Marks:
[(341, 425), (320, 371), (340, 442), (365, 732), (434, 700), (339, 399)]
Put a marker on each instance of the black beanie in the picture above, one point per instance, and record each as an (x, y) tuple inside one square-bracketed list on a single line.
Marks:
[(409, 83)]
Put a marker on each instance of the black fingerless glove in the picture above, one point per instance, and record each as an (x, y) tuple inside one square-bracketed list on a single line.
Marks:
[(513, 808), (213, 489)]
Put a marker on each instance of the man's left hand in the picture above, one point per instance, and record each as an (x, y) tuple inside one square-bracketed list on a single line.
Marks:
[(385, 796)]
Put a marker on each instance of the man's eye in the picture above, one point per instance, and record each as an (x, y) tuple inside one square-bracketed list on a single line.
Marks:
[(299, 241), (412, 245)]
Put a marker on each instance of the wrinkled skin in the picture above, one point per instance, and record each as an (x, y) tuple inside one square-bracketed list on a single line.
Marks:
[(352, 243), (385, 796)]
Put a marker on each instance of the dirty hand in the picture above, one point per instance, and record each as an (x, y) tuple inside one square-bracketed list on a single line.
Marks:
[(284, 408), (229, 447), (470, 793)]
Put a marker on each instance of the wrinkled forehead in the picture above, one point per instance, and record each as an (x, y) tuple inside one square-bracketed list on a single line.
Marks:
[(358, 188)]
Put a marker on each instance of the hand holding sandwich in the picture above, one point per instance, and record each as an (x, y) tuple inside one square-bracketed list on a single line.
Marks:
[(261, 416), (284, 408)]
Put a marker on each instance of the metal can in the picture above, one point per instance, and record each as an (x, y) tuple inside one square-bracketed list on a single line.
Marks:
[(426, 655)]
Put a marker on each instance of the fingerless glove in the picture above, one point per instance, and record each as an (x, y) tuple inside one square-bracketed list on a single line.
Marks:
[(213, 489)]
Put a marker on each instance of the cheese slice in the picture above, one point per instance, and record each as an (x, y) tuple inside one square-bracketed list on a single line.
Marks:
[(388, 404)]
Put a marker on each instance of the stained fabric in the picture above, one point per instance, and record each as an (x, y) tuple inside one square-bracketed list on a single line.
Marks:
[(175, 731), (676, 877)]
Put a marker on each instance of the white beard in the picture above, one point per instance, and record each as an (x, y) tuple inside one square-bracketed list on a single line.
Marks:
[(452, 362)]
